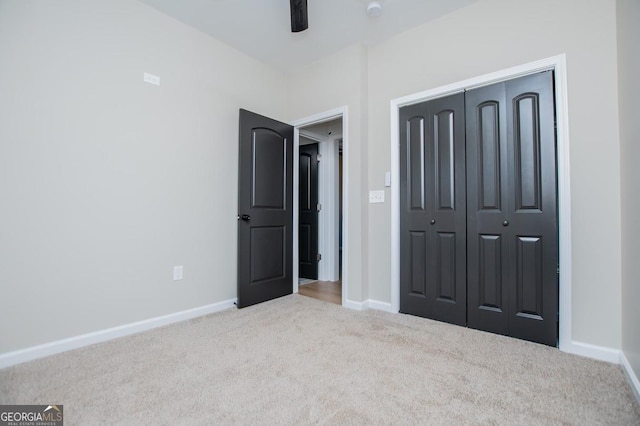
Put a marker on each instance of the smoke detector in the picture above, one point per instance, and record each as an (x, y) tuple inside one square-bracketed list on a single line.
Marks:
[(374, 8)]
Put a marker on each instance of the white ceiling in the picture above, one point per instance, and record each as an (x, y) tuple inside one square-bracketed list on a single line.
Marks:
[(262, 28)]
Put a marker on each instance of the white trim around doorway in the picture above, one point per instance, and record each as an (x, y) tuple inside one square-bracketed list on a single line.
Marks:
[(558, 64), (340, 112)]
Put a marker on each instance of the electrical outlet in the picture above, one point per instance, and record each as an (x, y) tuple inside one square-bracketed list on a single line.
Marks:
[(376, 196), (177, 273)]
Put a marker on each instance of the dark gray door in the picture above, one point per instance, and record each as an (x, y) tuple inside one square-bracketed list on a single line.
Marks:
[(265, 214), (308, 218), (433, 210), (512, 210)]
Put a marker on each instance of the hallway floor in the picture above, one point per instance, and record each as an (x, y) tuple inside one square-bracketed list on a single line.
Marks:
[(329, 291)]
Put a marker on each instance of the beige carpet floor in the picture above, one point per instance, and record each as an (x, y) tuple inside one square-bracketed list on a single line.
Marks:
[(297, 360)]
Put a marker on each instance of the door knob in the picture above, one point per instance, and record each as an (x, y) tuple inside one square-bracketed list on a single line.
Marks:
[(433, 221), (246, 217), (505, 223)]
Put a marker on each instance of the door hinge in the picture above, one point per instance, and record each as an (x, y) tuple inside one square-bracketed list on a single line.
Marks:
[(558, 269), (318, 207), (319, 257), (319, 157)]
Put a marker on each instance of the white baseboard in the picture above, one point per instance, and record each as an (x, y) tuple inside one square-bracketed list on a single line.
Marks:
[(23, 355), (588, 350), (631, 375), (356, 306), (380, 306), (369, 304)]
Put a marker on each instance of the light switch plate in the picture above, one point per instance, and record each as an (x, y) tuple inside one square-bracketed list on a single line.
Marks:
[(376, 196), (177, 273)]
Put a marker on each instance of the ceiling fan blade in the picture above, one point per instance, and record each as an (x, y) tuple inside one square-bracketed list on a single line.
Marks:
[(299, 18)]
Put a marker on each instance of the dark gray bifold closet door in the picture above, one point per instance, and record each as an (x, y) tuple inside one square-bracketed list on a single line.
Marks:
[(478, 216), (433, 211), (512, 211)]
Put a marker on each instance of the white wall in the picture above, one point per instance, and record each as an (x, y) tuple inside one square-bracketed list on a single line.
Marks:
[(628, 13), (336, 81), (492, 35), (107, 182)]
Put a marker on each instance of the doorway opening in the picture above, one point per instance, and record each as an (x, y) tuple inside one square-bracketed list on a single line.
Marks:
[(319, 212)]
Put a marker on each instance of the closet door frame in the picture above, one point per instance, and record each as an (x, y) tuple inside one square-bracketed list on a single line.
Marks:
[(556, 64)]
